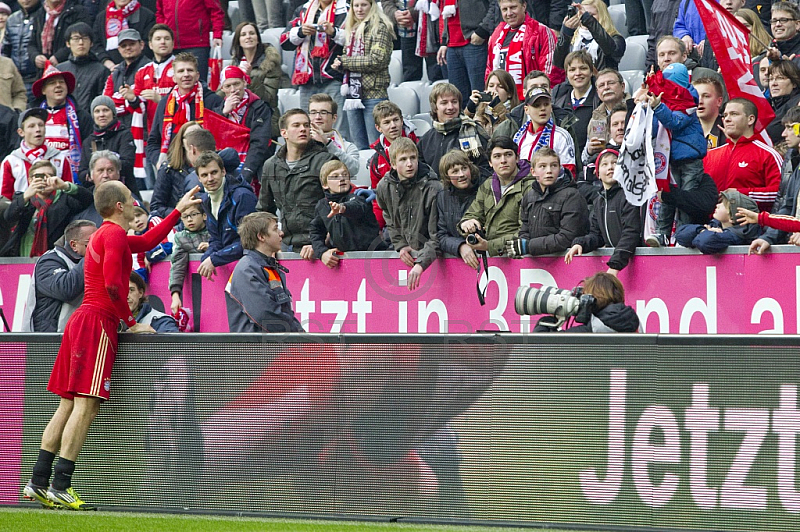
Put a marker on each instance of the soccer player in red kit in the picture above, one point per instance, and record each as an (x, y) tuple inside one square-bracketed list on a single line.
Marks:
[(82, 371)]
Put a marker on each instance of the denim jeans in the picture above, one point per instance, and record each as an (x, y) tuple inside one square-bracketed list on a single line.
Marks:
[(332, 88), (412, 63), (466, 66), (362, 124)]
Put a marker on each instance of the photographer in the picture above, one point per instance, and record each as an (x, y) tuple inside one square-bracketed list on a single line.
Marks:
[(609, 313)]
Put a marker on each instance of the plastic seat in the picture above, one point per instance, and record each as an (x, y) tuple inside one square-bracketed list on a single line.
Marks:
[(424, 116), (362, 178), (227, 41), (634, 58), (405, 99), (619, 18), (272, 36), (396, 68), (633, 77), (640, 39), (421, 126), (288, 99)]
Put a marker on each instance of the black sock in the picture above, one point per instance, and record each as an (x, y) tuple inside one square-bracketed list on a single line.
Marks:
[(63, 477), (43, 468)]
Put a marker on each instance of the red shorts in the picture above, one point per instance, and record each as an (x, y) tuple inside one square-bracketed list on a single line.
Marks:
[(86, 356)]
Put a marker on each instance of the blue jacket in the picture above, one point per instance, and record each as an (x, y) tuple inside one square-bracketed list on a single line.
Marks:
[(688, 140), (689, 23), (238, 200)]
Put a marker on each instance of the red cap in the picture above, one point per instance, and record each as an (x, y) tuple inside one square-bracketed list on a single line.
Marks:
[(234, 72)]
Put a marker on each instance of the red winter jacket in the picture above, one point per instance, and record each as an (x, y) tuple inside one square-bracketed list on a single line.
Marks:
[(537, 51), (191, 20)]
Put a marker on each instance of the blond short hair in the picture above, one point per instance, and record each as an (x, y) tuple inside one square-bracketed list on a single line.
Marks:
[(330, 167)]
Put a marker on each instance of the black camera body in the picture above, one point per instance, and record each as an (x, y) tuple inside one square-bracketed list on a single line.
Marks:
[(572, 10), (487, 96), (472, 238)]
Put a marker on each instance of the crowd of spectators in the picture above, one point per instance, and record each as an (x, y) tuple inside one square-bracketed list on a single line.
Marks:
[(528, 112)]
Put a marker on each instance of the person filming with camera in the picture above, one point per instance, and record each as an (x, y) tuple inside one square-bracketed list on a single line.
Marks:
[(603, 311)]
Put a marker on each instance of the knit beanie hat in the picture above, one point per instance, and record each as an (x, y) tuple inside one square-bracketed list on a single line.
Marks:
[(735, 200), (104, 100), (677, 73)]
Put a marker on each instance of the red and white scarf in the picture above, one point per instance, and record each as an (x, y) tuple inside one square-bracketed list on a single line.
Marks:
[(49, 29), (303, 68), (116, 21), (178, 108), (33, 154), (426, 32), (239, 112), (512, 61)]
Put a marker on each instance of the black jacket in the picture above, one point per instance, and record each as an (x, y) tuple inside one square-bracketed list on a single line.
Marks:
[(452, 204), (125, 74), (9, 139), (153, 149), (781, 106), (259, 120), (73, 12), (58, 216), (562, 99), (56, 283), (610, 49), (554, 217), (699, 203), (18, 35), (168, 189), (117, 139), (613, 318), (614, 223), (786, 203), (433, 145), (142, 20), (90, 78), (355, 230)]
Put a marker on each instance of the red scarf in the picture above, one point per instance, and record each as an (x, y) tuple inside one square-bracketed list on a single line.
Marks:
[(34, 154), (239, 112), (117, 20), (40, 246), (514, 63), (303, 69), (176, 113), (48, 32)]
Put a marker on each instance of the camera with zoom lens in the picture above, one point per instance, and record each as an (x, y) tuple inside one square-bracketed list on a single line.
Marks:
[(555, 301), (472, 238)]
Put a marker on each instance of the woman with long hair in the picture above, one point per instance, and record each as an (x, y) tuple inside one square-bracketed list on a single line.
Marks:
[(503, 91), (368, 49), (170, 178), (590, 29), (260, 61), (759, 37)]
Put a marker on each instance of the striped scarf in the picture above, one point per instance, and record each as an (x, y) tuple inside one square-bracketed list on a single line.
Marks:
[(117, 20), (138, 115), (543, 139), (177, 102), (49, 29), (73, 127), (39, 221)]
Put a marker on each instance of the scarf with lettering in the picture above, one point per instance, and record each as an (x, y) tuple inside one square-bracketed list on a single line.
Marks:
[(351, 88), (73, 127), (33, 154), (467, 128), (543, 138), (303, 68), (512, 61), (49, 29), (117, 20), (179, 105), (39, 221)]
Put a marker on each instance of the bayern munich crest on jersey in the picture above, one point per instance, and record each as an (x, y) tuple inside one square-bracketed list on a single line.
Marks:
[(107, 385)]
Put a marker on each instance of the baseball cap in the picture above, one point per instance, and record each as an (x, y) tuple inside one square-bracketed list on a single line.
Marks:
[(536, 94), (38, 112), (128, 34)]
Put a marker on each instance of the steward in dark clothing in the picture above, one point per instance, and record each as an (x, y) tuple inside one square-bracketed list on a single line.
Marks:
[(295, 191), (210, 101), (90, 78), (434, 144), (452, 203), (698, 203), (562, 98), (259, 120), (256, 297), (117, 138), (72, 13), (64, 205), (354, 230), (168, 189), (552, 218), (613, 318), (140, 20), (238, 200), (610, 49), (56, 290), (614, 223)]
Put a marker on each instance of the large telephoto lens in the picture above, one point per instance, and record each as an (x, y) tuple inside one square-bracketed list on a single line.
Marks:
[(545, 300)]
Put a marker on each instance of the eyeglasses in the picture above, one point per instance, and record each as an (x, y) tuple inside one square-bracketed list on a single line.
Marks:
[(319, 113), (778, 78), (79, 38), (42, 176), (781, 21)]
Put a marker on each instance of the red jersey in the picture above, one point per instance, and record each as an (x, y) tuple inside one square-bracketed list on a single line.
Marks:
[(108, 262), (781, 222), (56, 129), (749, 166), (156, 76)]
